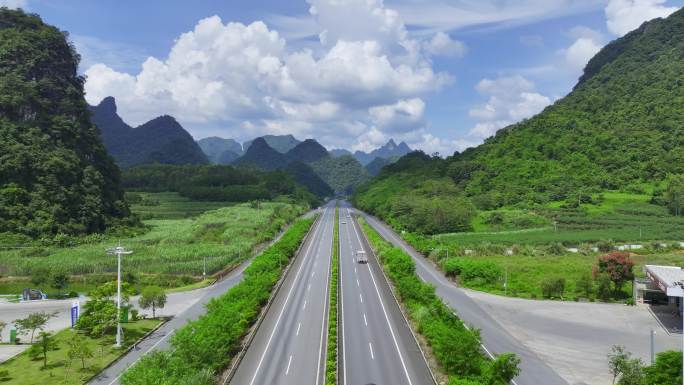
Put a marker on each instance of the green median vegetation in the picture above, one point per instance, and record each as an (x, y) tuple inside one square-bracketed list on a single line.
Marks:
[(331, 365), (204, 347), (455, 347), (69, 357)]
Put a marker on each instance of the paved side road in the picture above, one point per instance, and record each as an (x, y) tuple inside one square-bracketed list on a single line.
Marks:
[(495, 339)]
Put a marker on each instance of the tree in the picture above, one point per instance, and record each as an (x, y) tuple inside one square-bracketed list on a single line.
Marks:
[(674, 195), (667, 369), (617, 266), (553, 287), (154, 297), (41, 349), (33, 322), (632, 372), (616, 360), (79, 349), (60, 281)]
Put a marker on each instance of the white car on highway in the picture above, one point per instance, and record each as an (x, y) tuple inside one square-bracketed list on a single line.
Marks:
[(361, 257)]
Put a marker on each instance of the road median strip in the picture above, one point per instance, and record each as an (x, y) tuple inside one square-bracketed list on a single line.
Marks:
[(331, 372)]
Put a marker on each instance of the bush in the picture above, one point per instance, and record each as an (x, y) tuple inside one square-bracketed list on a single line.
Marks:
[(472, 271), (553, 287)]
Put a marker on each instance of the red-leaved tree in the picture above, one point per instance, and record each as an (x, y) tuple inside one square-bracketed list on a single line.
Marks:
[(617, 266)]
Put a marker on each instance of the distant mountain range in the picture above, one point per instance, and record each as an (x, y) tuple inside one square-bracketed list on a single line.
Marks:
[(341, 169), (161, 140)]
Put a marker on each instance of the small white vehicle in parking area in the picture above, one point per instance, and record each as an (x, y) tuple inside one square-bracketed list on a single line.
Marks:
[(361, 257)]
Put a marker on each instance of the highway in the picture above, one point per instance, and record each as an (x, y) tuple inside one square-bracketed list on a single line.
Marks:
[(495, 339), (289, 348), (159, 340), (376, 342)]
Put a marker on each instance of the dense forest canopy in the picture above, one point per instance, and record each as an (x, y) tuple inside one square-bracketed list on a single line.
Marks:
[(621, 128), (216, 183), (55, 175)]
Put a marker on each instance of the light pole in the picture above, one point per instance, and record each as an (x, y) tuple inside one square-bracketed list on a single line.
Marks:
[(118, 251)]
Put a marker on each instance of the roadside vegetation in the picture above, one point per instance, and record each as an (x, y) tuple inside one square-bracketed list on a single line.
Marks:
[(551, 252), (172, 253), (627, 370), (205, 346), (69, 357), (455, 347), (331, 363)]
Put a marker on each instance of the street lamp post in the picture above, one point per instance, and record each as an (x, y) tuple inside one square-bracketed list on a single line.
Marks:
[(118, 251)]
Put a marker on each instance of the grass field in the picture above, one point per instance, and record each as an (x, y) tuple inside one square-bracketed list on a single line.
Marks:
[(528, 256), (171, 248), (23, 370), (170, 205)]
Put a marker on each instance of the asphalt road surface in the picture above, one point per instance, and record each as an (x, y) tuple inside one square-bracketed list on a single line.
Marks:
[(495, 339), (159, 340), (377, 344), (289, 348)]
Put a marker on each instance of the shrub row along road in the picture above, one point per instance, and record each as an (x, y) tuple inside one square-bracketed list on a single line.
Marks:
[(495, 339), (377, 344), (289, 347)]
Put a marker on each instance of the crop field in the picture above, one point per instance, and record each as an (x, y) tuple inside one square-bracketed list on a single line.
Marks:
[(172, 246), (169, 205), (524, 258)]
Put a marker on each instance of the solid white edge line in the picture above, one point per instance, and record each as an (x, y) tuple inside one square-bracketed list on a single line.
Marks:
[(287, 299), (142, 355), (382, 305)]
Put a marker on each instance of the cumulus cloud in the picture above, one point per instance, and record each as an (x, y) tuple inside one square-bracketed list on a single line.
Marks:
[(510, 99), (365, 75), (587, 43), (443, 45), (626, 15)]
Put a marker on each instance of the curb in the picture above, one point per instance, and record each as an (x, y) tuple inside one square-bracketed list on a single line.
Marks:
[(235, 363), (401, 308)]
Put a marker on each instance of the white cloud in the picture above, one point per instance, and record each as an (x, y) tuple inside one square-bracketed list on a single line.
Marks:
[(626, 15), (13, 4), (402, 116), (579, 53), (365, 75), (510, 99), (443, 45)]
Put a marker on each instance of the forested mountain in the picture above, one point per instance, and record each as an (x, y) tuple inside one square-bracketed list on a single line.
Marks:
[(621, 128), (216, 183), (219, 150), (307, 151), (307, 177), (280, 143), (260, 155), (344, 174), (389, 151), (377, 164), (337, 152), (161, 140), (55, 175)]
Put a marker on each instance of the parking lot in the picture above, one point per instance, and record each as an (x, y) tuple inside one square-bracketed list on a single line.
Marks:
[(575, 337)]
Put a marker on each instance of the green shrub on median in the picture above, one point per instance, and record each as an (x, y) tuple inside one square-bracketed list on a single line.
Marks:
[(203, 347), (455, 347)]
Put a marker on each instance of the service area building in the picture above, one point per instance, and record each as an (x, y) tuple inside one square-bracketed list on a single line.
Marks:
[(665, 285)]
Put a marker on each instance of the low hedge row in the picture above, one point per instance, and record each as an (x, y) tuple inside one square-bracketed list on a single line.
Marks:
[(455, 347), (203, 347), (331, 365)]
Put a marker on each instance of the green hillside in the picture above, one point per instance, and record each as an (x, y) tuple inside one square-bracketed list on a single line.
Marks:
[(621, 128), (55, 175)]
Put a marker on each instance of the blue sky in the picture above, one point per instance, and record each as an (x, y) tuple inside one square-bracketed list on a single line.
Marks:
[(441, 75)]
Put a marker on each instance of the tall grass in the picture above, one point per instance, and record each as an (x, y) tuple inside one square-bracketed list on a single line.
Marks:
[(172, 246)]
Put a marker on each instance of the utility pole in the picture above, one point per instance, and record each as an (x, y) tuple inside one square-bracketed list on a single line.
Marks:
[(204, 268), (506, 282), (652, 346), (118, 251)]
